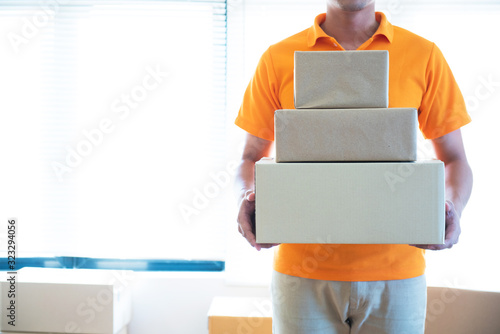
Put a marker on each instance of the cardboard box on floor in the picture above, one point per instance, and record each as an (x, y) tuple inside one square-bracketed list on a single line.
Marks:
[(68, 301), (382, 134), (461, 311), (351, 203), (240, 315), (341, 79)]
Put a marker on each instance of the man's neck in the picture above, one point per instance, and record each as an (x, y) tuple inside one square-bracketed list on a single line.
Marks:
[(350, 29)]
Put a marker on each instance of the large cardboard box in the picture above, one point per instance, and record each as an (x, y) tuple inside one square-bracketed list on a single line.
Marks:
[(240, 315), (460, 311), (351, 203), (382, 134), (67, 301), (341, 79)]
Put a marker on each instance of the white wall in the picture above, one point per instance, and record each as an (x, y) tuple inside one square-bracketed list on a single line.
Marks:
[(178, 302)]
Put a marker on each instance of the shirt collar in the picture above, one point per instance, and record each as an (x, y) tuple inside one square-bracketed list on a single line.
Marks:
[(315, 32)]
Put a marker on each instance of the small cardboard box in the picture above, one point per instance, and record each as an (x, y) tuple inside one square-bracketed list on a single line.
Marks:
[(67, 301), (240, 315), (350, 203), (461, 311), (382, 134), (341, 79)]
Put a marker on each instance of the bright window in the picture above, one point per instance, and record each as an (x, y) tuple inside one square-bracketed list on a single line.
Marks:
[(112, 127)]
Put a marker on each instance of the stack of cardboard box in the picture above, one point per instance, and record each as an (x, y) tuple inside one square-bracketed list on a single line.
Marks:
[(346, 168), (46, 300)]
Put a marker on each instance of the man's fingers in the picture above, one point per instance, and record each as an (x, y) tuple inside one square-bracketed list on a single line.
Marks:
[(452, 235), (430, 247), (452, 232), (245, 218), (245, 229), (250, 196), (267, 245), (422, 246), (245, 225), (246, 232), (452, 225)]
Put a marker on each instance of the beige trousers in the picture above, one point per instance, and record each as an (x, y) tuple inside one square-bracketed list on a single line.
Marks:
[(307, 306)]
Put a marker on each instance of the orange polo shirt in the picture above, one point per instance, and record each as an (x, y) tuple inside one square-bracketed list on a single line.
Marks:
[(419, 78)]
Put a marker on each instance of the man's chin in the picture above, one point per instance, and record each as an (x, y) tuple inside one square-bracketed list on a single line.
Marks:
[(351, 5)]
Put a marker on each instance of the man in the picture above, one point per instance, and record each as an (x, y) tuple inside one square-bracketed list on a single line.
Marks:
[(356, 288)]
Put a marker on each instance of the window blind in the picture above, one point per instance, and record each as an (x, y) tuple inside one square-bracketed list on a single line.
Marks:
[(113, 128)]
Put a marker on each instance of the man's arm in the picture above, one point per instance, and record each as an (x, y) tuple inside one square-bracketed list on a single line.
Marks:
[(458, 178), (255, 148)]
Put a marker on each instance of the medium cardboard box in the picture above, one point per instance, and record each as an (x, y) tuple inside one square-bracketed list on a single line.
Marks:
[(382, 134), (351, 203), (240, 315), (341, 79), (461, 311), (68, 300)]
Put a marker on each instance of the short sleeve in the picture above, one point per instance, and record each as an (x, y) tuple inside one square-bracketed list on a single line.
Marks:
[(256, 114), (443, 107)]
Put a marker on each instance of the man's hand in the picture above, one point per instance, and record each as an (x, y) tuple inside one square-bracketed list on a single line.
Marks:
[(450, 149), (255, 148), (246, 220), (452, 229)]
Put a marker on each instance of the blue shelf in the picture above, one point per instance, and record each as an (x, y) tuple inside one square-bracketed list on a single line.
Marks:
[(116, 264)]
